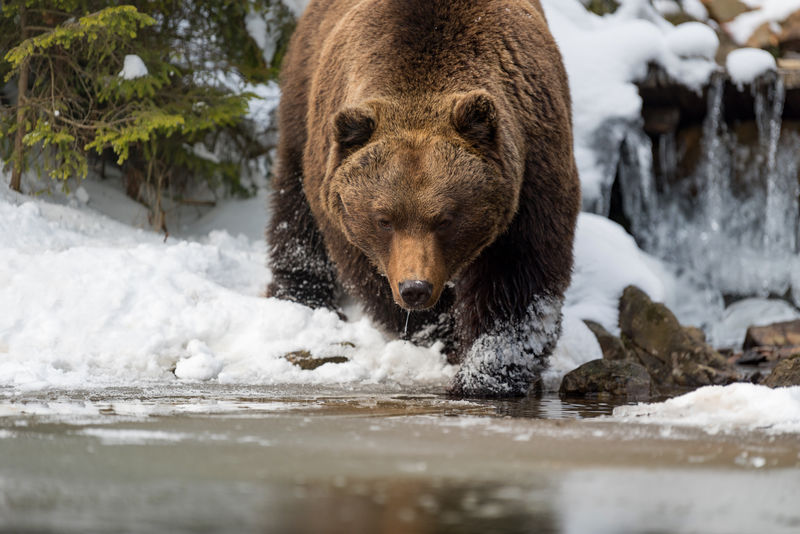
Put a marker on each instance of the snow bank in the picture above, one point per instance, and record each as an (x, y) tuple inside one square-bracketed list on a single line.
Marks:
[(94, 302), (133, 68), (724, 409), (604, 56), (744, 65), (606, 261)]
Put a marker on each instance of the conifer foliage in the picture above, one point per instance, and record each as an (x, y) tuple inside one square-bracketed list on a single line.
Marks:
[(138, 85)]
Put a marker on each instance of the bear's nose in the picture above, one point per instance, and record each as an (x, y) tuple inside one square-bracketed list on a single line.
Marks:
[(415, 292)]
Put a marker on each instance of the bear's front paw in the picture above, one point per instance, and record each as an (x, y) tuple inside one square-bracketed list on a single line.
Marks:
[(499, 381)]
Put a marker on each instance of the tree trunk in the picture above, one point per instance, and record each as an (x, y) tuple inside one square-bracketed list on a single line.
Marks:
[(22, 88)]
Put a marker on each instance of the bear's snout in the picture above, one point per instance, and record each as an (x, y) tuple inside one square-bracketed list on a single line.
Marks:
[(415, 293)]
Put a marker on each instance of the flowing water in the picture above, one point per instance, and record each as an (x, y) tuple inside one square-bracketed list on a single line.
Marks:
[(733, 222), (211, 458)]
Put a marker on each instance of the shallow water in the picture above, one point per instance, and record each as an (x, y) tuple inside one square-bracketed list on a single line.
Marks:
[(261, 459)]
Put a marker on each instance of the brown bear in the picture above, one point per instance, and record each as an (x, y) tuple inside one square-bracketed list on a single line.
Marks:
[(425, 166)]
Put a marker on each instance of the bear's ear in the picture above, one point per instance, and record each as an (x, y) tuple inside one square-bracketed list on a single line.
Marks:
[(474, 117), (352, 127)]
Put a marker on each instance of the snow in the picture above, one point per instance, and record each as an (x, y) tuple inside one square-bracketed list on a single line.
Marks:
[(764, 12), (133, 68), (693, 40), (744, 65), (606, 261), (97, 302), (731, 329), (604, 56), (724, 409)]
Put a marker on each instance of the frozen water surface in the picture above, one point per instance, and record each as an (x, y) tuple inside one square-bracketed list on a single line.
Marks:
[(217, 458)]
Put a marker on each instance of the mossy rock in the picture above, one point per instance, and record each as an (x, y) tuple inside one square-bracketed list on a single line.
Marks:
[(306, 361), (785, 374)]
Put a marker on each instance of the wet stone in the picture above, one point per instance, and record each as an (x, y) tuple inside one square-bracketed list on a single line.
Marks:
[(675, 356), (782, 334), (612, 378), (610, 345), (786, 373)]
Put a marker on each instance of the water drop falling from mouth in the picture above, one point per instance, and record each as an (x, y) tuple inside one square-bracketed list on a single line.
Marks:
[(405, 330)]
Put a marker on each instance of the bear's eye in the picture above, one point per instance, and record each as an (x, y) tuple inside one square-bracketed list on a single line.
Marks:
[(385, 224), (444, 224)]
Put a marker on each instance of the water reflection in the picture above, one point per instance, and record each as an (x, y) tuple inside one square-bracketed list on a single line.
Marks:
[(550, 406)]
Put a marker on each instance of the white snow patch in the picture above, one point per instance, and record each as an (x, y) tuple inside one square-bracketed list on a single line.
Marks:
[(133, 68), (744, 65), (296, 6), (693, 40), (202, 363), (715, 409), (606, 261), (731, 329)]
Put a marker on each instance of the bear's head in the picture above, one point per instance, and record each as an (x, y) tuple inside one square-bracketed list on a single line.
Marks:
[(421, 191)]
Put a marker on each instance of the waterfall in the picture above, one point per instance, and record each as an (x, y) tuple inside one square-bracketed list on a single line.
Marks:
[(729, 213)]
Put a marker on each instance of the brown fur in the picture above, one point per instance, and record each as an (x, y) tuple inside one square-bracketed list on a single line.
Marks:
[(430, 140)]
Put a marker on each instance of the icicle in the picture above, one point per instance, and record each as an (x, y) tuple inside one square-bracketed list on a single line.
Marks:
[(405, 330), (716, 168)]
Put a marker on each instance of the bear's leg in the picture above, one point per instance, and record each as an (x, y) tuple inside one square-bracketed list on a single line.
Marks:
[(301, 269), (507, 329)]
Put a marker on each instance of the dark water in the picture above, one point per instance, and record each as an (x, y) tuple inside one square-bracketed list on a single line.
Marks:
[(247, 459)]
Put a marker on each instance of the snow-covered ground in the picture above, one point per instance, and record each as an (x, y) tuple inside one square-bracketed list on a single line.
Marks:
[(88, 298)]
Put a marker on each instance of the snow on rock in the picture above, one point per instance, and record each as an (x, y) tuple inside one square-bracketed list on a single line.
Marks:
[(763, 12), (737, 407), (693, 40), (133, 68), (744, 65), (731, 329), (604, 56)]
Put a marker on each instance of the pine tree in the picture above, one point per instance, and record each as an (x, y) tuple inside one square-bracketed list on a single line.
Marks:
[(77, 100)]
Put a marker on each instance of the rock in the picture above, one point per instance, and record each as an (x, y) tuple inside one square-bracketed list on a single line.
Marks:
[(304, 360), (786, 373), (602, 7), (612, 378), (725, 10), (763, 37), (757, 355), (670, 353), (610, 345), (696, 334), (782, 334), (789, 37)]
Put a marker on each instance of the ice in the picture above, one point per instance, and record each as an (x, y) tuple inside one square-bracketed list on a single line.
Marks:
[(744, 65), (133, 68), (737, 407)]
